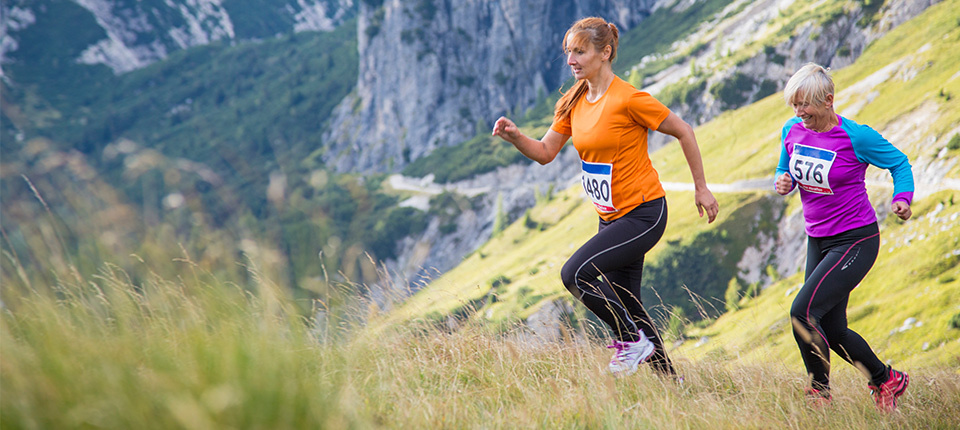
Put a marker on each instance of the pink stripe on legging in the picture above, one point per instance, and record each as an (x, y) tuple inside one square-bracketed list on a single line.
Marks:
[(822, 336)]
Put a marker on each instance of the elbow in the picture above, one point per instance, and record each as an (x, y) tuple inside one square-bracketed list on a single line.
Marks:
[(544, 157), (544, 160), (686, 133)]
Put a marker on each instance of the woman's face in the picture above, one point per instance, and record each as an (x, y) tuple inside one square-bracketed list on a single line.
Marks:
[(584, 59), (813, 115)]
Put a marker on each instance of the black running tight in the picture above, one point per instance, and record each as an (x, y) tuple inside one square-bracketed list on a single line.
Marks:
[(835, 266), (605, 274)]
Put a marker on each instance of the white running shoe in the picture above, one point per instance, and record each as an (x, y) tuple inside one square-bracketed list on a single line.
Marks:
[(629, 355)]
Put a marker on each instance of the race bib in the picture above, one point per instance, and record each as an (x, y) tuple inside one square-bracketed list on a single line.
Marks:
[(597, 183), (810, 167)]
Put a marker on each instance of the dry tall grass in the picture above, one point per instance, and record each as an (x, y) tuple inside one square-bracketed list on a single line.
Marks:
[(194, 353)]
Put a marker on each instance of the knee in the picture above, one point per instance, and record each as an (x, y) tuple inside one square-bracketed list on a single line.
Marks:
[(800, 311), (568, 275), (803, 323)]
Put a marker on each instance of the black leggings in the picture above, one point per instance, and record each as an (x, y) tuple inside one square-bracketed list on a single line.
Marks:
[(835, 266), (605, 274)]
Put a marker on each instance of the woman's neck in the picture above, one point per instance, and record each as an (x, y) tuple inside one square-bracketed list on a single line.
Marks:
[(826, 123), (597, 86)]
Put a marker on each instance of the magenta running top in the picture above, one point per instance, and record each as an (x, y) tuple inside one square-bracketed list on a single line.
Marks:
[(830, 168)]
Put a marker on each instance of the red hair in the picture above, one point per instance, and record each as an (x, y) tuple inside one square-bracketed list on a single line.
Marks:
[(600, 34)]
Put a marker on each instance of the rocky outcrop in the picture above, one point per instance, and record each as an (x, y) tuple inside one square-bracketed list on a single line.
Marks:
[(468, 61), (834, 42), (138, 34), (13, 19), (512, 189)]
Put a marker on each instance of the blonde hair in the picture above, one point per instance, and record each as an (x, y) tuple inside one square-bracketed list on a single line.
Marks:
[(595, 31), (811, 84)]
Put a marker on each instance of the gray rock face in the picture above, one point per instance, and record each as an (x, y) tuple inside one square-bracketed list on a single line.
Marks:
[(514, 188), (140, 33), (469, 61)]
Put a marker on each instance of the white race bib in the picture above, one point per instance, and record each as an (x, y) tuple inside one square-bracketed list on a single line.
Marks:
[(597, 183), (810, 167)]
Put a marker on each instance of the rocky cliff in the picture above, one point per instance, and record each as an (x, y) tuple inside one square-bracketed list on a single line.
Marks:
[(134, 34)]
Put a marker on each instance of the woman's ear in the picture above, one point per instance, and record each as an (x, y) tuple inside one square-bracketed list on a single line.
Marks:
[(607, 50)]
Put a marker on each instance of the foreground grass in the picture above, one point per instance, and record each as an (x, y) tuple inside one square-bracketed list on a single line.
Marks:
[(194, 353)]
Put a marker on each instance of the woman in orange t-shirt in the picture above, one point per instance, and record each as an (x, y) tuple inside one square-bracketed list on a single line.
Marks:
[(608, 119)]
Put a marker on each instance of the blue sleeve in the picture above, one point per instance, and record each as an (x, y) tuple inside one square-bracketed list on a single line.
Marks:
[(873, 148), (784, 165)]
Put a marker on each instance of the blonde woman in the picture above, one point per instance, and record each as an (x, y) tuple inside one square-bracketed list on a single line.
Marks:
[(826, 155), (609, 119)]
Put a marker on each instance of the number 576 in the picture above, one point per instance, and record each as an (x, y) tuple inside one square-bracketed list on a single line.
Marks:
[(812, 168)]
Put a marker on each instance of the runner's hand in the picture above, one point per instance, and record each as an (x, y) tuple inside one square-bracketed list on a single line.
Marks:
[(784, 184), (706, 201), (902, 209), (506, 129)]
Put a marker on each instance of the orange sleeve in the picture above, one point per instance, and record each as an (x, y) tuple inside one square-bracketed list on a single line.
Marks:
[(646, 110), (562, 126)]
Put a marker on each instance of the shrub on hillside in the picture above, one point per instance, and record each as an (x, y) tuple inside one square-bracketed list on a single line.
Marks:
[(954, 142)]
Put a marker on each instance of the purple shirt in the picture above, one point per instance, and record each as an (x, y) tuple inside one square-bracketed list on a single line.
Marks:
[(830, 168)]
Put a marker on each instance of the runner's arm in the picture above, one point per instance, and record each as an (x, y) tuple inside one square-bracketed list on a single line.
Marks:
[(871, 147), (782, 175), (542, 151), (674, 126)]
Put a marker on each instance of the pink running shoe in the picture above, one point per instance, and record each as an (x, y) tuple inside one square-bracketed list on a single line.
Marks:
[(886, 394), (818, 398), (629, 355)]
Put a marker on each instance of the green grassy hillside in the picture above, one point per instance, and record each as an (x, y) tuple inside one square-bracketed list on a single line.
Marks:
[(511, 275), (904, 81)]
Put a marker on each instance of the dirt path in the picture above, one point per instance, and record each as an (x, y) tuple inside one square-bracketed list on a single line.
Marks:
[(427, 187)]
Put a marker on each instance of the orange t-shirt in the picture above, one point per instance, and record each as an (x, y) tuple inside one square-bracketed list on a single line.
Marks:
[(611, 137)]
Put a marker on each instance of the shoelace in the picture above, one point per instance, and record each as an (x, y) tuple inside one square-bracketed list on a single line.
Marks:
[(619, 346), (623, 349)]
